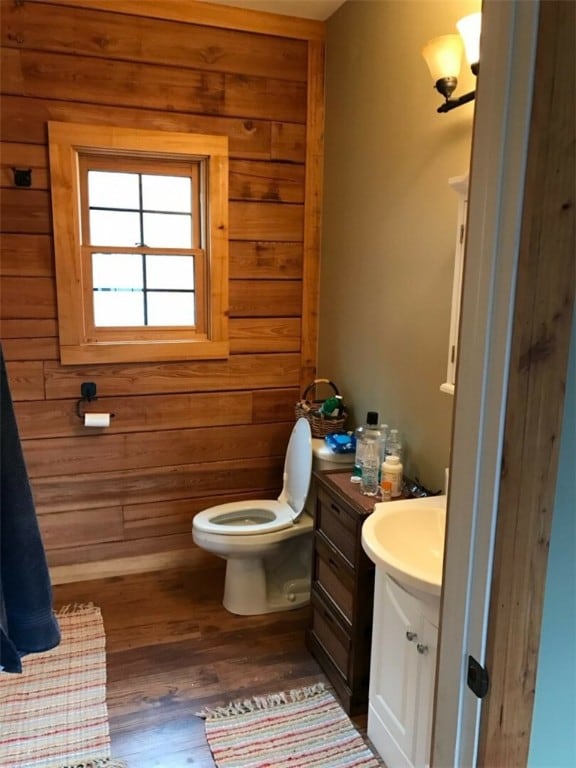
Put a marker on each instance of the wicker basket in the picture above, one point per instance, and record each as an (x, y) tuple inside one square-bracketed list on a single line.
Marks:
[(320, 425)]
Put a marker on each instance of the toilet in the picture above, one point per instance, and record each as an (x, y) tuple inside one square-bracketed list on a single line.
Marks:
[(267, 544)]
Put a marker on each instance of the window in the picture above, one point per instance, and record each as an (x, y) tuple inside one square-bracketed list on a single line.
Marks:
[(140, 235)]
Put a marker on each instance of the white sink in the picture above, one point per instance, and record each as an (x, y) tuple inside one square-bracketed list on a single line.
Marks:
[(406, 539)]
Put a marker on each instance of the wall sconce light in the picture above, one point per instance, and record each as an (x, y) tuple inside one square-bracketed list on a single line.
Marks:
[(443, 56)]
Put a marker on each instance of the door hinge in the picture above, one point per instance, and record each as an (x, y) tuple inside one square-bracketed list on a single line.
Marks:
[(461, 233), (478, 680)]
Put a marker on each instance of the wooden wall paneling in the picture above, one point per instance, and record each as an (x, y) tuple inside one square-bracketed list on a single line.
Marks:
[(288, 142), (313, 217), (24, 119), (24, 255), (265, 260), (260, 334), (101, 34), (165, 517), (273, 182), (64, 530), (118, 83), (265, 98), (266, 221), (30, 348), (211, 15), (272, 404), (175, 444), (240, 371), (26, 380), (24, 156), (27, 297), (267, 298), (58, 76), (25, 211), (47, 457), (58, 418), (126, 549), (19, 328), (261, 476)]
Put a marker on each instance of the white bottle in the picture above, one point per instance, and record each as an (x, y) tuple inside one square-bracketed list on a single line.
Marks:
[(392, 472)]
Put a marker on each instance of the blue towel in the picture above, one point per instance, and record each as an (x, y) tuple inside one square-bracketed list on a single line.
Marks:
[(27, 622)]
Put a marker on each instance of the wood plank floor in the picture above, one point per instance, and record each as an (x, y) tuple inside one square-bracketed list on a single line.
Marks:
[(172, 649)]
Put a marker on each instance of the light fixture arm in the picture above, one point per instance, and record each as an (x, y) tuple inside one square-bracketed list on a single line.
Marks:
[(451, 104)]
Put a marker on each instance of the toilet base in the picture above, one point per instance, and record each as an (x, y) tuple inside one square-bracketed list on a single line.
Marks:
[(254, 586)]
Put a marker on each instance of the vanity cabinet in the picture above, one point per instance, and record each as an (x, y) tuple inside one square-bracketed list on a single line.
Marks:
[(402, 677), (460, 185), (342, 594)]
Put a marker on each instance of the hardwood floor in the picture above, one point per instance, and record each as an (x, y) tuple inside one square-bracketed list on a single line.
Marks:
[(172, 648)]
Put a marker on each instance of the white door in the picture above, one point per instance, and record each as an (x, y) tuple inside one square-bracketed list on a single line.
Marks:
[(503, 103)]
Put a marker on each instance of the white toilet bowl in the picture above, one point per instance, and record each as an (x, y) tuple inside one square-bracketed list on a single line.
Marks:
[(267, 544)]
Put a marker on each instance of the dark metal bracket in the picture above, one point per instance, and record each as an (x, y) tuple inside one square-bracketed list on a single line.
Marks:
[(22, 177)]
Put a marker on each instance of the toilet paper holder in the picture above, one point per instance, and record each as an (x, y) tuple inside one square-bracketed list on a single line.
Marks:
[(87, 395)]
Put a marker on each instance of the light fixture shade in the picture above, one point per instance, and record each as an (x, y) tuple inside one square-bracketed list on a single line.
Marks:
[(469, 28), (443, 55)]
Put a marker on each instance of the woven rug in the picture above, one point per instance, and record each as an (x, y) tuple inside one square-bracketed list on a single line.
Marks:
[(304, 728), (54, 714)]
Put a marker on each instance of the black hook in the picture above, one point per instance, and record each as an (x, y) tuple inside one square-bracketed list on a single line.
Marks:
[(22, 177), (87, 394)]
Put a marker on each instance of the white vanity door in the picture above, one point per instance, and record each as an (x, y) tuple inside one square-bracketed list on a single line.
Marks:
[(427, 647), (394, 674)]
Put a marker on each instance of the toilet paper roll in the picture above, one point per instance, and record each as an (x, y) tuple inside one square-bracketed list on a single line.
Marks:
[(96, 419)]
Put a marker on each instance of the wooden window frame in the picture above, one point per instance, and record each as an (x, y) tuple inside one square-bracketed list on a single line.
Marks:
[(80, 341)]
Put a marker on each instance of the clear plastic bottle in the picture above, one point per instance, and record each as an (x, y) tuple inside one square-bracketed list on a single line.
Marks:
[(369, 484), (394, 444), (368, 430), (383, 442), (392, 471)]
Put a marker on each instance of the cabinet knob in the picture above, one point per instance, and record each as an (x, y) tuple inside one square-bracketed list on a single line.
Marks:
[(421, 648), (411, 635)]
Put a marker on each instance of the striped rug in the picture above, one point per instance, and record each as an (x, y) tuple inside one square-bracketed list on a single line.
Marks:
[(54, 714), (304, 728)]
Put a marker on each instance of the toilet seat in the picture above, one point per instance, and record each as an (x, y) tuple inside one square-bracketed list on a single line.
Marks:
[(252, 517), (241, 518)]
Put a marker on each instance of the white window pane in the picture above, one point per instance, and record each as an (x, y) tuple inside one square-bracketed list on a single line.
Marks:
[(170, 308), (113, 190), (114, 228), (165, 230), (118, 308), (166, 193), (117, 270), (170, 272)]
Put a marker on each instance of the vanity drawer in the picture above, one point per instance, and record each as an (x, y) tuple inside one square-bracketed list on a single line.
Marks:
[(332, 636), (338, 525), (334, 577), (339, 632)]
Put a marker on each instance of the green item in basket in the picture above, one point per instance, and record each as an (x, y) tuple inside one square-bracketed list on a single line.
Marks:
[(332, 406)]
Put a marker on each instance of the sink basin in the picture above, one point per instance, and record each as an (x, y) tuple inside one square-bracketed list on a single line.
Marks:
[(406, 539)]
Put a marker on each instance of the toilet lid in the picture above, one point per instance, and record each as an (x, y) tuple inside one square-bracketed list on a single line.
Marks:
[(297, 468)]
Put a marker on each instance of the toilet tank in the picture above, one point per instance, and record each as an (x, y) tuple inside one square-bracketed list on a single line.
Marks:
[(324, 458)]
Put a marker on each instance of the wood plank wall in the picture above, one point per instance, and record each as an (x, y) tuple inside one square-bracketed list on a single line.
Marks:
[(185, 435)]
